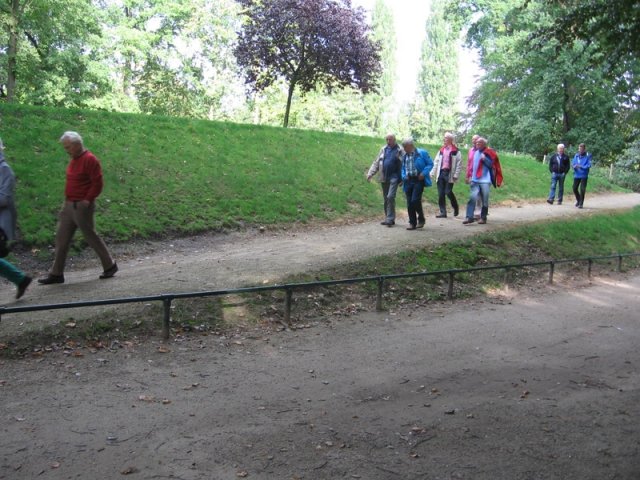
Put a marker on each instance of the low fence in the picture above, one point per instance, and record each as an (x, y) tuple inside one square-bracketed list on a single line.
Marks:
[(289, 288)]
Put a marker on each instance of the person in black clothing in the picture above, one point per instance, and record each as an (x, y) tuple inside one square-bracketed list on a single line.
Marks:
[(559, 165)]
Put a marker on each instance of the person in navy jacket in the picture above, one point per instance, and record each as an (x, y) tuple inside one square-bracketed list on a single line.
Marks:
[(559, 166), (416, 166), (581, 164)]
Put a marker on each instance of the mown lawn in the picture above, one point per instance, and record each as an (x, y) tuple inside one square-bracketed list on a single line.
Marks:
[(172, 176)]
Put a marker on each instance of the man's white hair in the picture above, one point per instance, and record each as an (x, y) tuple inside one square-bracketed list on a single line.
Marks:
[(408, 141), (449, 135), (560, 145), (73, 137)]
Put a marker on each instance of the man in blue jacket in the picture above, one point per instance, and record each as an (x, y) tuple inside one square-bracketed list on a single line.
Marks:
[(581, 164), (416, 166)]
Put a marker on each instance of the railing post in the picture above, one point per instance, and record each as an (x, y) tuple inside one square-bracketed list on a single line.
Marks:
[(450, 292), (379, 296), (166, 302), (619, 263), (287, 305), (552, 267), (507, 272), (590, 264)]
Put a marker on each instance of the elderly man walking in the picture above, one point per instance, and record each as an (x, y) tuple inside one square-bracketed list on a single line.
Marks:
[(84, 184), (388, 164), (446, 171), (479, 178), (559, 165)]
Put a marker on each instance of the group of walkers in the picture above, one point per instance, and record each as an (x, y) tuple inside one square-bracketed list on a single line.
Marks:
[(559, 166), (414, 169), (407, 166), (83, 185)]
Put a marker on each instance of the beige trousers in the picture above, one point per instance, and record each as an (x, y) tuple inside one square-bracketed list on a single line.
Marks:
[(76, 215)]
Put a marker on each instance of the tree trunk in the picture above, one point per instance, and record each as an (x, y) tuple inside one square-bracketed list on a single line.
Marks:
[(12, 50), (292, 87), (566, 124)]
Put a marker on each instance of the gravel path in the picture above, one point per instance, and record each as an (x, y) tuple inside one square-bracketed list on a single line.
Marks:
[(212, 262)]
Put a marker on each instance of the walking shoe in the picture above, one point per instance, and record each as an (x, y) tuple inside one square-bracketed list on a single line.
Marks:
[(455, 211), (577, 204), (580, 206), (482, 221), (391, 224), (468, 221), (411, 227), (559, 202), (440, 215), (51, 278), (420, 224), (22, 286), (109, 272), (549, 201)]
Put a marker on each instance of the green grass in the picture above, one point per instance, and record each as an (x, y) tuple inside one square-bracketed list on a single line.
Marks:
[(169, 176)]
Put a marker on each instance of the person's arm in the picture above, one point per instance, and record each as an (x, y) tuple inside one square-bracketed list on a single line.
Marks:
[(551, 163), (94, 170), (587, 162), (457, 166), (428, 164), (375, 166), (7, 182)]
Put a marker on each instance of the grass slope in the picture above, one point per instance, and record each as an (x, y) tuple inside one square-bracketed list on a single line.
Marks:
[(179, 176)]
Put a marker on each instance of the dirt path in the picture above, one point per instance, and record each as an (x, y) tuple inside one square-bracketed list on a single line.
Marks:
[(542, 387), (227, 261)]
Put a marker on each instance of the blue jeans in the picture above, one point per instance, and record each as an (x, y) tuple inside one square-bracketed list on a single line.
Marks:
[(413, 190), (389, 190), (478, 190), (10, 272), (557, 179)]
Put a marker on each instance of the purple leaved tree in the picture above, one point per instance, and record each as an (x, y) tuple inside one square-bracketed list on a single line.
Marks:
[(308, 43)]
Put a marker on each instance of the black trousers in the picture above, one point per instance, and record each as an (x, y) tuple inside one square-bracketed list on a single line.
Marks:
[(445, 189), (579, 189)]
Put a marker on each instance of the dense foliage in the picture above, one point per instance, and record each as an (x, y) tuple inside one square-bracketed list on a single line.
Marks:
[(549, 77), (307, 43)]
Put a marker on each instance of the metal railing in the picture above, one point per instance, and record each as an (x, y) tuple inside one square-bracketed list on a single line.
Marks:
[(168, 298)]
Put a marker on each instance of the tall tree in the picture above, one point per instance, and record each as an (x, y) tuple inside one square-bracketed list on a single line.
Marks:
[(307, 43), (380, 107), (48, 53), (534, 95), (435, 109)]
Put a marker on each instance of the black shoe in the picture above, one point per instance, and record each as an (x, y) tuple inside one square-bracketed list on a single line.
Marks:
[(455, 211), (420, 224), (384, 222), (559, 202), (468, 221), (482, 221), (22, 286), (549, 201), (577, 204), (391, 224), (50, 279), (411, 227), (109, 272), (580, 206), (440, 215)]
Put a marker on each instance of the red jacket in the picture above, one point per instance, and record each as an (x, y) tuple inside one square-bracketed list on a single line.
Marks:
[(496, 168), (84, 178)]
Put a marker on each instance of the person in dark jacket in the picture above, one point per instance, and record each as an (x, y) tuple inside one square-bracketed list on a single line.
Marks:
[(8, 217), (388, 165), (559, 165)]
